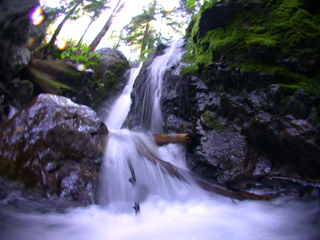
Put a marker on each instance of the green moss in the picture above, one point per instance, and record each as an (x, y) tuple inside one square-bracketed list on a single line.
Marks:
[(258, 40), (190, 70), (74, 77), (189, 55), (47, 84), (119, 67), (210, 122), (61, 72), (104, 83)]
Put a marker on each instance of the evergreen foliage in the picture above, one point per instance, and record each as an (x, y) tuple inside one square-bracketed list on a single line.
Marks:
[(143, 36)]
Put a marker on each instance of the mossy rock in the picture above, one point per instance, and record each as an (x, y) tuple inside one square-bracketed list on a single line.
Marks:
[(106, 82), (53, 76), (280, 38), (209, 121)]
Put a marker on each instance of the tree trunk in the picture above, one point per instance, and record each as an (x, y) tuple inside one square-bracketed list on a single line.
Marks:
[(92, 20), (58, 30), (145, 38), (106, 27)]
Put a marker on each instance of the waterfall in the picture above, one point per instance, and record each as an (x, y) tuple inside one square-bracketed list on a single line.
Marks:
[(172, 205), (121, 107), (126, 148), (150, 98)]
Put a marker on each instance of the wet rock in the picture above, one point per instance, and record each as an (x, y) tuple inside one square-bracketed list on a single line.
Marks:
[(290, 144), (223, 150), (16, 32), (233, 106), (54, 147), (299, 106), (110, 56), (22, 89)]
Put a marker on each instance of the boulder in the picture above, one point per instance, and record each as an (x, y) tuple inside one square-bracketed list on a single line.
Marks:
[(112, 62), (54, 147), (109, 56), (109, 76)]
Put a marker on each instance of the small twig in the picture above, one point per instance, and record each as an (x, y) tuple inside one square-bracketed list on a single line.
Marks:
[(133, 181)]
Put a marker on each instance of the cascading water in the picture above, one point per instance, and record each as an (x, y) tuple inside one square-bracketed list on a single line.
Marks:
[(121, 107), (173, 207), (125, 147), (152, 88)]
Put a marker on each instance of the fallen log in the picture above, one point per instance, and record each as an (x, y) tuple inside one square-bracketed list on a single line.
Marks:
[(203, 183), (179, 138)]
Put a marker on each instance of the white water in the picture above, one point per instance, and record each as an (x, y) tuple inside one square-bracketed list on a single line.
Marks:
[(153, 87), (171, 209), (213, 219), (121, 107)]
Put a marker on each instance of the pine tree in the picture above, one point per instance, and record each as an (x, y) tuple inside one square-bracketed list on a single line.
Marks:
[(140, 32)]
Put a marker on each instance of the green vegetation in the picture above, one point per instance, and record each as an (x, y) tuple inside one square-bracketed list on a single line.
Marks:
[(263, 38), (48, 84), (81, 55), (190, 70), (143, 33), (210, 122), (102, 84)]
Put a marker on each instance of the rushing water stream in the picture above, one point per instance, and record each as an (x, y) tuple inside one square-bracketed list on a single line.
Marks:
[(171, 208)]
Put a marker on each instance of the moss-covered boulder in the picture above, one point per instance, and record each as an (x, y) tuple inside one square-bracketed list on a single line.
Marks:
[(84, 86), (54, 76), (262, 42), (54, 148), (108, 78)]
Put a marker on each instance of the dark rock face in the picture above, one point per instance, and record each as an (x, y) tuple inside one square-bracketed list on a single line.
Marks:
[(18, 37), (54, 147), (16, 32)]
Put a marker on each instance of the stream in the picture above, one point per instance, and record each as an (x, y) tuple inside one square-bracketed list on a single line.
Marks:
[(169, 207)]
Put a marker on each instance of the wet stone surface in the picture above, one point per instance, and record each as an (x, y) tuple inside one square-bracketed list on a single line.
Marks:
[(55, 148)]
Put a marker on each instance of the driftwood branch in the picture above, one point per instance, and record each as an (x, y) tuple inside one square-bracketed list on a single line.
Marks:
[(133, 181), (203, 183)]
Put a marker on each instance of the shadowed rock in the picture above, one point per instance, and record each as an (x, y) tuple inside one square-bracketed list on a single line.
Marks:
[(54, 147)]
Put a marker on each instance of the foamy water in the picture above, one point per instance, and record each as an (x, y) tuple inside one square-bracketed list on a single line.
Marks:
[(215, 218)]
